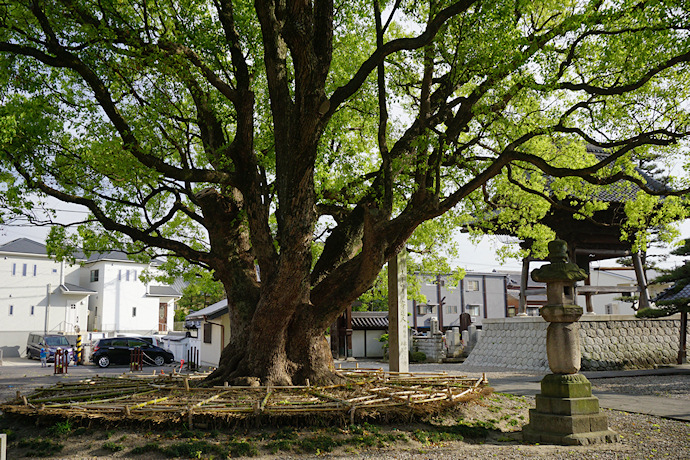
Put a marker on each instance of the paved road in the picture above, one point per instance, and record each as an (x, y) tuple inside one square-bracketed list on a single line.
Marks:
[(24, 375)]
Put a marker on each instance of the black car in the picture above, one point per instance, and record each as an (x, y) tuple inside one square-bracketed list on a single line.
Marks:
[(117, 350)]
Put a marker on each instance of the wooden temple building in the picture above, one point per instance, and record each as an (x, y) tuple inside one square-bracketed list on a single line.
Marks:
[(590, 240)]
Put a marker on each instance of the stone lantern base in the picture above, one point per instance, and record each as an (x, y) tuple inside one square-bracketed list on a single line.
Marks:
[(567, 413)]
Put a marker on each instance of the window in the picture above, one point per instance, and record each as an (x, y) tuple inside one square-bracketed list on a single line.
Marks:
[(14, 269), (134, 311), (451, 308), (35, 269), (24, 267), (511, 311), (473, 285), (473, 310), (11, 310), (422, 309), (94, 276), (134, 276), (54, 270), (207, 332), (119, 275), (32, 310), (127, 275)]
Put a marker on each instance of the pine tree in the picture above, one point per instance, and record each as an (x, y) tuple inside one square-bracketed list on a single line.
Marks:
[(675, 299)]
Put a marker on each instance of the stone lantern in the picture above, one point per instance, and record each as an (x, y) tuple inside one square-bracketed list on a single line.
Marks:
[(566, 411)]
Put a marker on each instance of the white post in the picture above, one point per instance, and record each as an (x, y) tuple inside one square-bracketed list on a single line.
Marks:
[(397, 314), (3, 446)]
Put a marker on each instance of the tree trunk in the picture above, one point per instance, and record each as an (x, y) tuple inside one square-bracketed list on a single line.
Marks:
[(277, 352)]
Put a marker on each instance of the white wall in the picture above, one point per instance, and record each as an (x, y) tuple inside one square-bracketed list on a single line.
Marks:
[(610, 278), (120, 291), (209, 353), (36, 286)]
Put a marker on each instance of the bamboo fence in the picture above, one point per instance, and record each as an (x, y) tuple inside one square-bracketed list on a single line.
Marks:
[(179, 398)]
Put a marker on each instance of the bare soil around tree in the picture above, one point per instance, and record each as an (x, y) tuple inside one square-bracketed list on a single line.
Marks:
[(486, 427)]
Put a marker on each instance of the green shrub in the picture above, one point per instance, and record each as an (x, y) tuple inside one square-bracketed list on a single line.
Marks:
[(417, 357), (650, 312)]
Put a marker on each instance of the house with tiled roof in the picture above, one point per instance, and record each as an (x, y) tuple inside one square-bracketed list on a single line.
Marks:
[(102, 293)]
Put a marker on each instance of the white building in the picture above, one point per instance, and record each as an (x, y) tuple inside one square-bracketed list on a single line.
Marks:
[(123, 303), (611, 304), (103, 294), (213, 331)]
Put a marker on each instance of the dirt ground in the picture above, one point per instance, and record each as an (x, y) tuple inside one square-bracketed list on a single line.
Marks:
[(485, 428)]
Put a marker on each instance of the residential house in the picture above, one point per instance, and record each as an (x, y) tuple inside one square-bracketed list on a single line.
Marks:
[(103, 293), (213, 331), (123, 303), (37, 294)]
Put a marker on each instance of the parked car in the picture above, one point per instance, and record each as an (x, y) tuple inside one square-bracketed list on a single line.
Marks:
[(51, 342), (117, 350)]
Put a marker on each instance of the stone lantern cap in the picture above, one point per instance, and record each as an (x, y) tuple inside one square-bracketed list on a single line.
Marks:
[(559, 269), (560, 277)]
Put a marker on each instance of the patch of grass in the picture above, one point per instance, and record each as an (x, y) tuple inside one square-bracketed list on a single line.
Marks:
[(280, 445), (11, 435), (285, 433), (367, 440), (474, 430), (243, 449), (194, 449), (190, 434), (111, 446), (79, 431), (318, 444), (39, 447), (61, 428), (146, 448), (434, 436)]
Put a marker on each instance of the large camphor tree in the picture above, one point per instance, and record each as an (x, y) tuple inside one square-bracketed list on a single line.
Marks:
[(307, 141)]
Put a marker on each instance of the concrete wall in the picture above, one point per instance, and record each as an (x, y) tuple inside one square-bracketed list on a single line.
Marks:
[(608, 342)]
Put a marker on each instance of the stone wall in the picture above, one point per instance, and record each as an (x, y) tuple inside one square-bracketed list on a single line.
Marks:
[(608, 342), (431, 345)]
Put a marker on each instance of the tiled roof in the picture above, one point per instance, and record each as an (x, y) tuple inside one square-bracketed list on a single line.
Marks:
[(624, 190), (369, 320), (669, 295)]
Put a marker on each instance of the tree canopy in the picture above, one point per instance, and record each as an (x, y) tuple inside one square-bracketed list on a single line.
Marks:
[(309, 141)]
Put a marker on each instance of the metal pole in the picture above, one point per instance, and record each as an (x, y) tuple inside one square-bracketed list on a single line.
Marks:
[(47, 316)]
